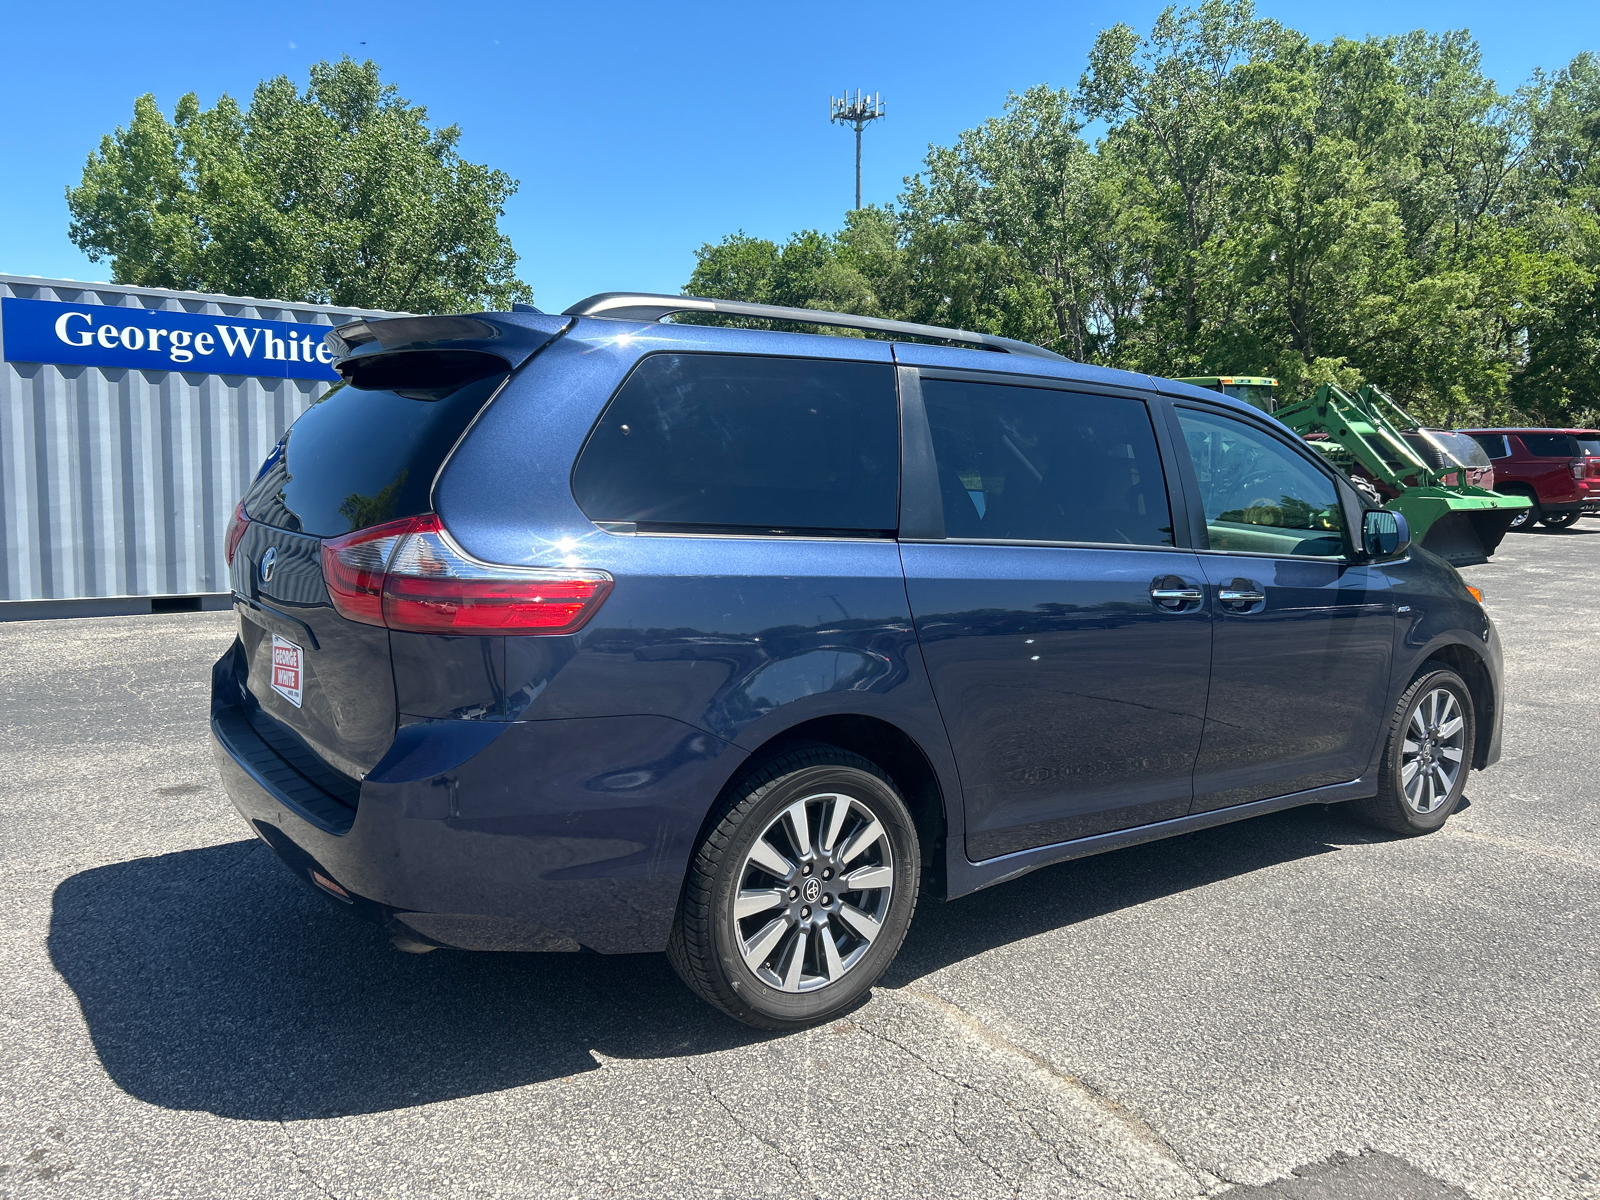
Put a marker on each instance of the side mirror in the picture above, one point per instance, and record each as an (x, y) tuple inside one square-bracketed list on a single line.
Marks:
[(1384, 534)]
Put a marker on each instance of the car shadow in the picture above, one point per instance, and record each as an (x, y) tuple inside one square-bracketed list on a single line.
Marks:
[(1086, 888), (212, 980)]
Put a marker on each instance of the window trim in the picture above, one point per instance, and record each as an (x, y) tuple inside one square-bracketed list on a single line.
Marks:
[(1191, 482), (921, 515), (726, 530), (922, 504)]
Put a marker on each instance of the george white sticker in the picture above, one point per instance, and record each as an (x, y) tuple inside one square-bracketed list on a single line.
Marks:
[(288, 670)]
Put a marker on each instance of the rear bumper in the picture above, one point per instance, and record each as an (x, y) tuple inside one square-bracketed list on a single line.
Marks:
[(537, 835)]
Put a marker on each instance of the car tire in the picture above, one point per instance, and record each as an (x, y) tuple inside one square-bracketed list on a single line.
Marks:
[(1525, 520), (764, 931), (1419, 783), (1560, 520), (1367, 488)]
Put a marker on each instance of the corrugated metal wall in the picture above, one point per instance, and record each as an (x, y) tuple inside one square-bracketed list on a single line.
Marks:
[(121, 482)]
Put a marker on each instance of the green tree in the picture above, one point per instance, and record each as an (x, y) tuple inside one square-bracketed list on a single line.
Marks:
[(1172, 103), (841, 272), (341, 194), (1348, 211), (1026, 185), (1559, 244)]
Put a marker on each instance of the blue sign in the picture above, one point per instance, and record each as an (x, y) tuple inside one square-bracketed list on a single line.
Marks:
[(105, 335)]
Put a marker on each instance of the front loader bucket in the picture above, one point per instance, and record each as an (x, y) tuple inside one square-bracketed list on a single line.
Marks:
[(1454, 537), (1463, 526)]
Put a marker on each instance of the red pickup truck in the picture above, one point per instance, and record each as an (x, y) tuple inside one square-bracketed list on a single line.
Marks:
[(1558, 469)]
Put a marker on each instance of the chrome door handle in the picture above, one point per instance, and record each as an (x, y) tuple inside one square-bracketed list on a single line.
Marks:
[(1232, 596), (1184, 595)]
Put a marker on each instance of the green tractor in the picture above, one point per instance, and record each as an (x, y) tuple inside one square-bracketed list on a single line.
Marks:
[(1396, 462), (1258, 391)]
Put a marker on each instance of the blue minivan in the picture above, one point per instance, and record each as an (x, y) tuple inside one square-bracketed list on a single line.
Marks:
[(603, 631)]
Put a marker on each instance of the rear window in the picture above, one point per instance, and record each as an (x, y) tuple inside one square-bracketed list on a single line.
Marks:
[(744, 443), (1257, 395), (1551, 445), (1590, 446), (357, 457)]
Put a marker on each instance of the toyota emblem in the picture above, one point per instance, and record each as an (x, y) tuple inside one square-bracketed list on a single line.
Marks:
[(269, 560)]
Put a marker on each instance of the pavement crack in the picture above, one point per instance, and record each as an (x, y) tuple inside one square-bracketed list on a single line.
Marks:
[(739, 1123), (300, 1165), (975, 1150), (1016, 1110), (1130, 1124)]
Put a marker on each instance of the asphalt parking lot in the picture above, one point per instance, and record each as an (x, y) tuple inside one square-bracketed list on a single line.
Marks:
[(1204, 1015)]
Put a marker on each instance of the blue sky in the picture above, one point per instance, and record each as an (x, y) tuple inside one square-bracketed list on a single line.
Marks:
[(638, 131)]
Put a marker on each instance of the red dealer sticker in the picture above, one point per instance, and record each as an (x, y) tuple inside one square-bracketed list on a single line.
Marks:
[(288, 670)]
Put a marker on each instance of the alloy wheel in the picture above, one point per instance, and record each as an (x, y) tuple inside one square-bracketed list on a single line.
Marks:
[(813, 892), (1433, 752)]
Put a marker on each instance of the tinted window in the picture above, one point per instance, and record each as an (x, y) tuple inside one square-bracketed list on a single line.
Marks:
[(746, 443), (1551, 445), (358, 458), (1494, 444), (1590, 446), (1042, 465), (1259, 495)]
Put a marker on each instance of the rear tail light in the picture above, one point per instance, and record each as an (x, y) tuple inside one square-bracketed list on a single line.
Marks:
[(236, 528), (353, 566), (409, 575), (1580, 468)]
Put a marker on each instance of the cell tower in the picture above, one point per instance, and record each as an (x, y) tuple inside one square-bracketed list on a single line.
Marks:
[(856, 113)]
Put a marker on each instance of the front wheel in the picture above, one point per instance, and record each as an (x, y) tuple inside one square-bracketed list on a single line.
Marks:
[(1426, 757), (799, 897), (1526, 518), (1560, 520)]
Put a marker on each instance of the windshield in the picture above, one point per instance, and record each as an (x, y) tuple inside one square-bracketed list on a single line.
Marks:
[(1257, 395), (1460, 447)]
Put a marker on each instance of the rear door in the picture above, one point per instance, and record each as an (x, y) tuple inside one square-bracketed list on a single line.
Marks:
[(354, 459), (1063, 629), (1302, 636)]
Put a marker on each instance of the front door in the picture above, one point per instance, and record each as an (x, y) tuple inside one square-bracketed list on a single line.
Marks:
[(1301, 636), (1065, 635)]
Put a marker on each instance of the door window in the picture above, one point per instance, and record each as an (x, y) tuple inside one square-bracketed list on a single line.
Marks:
[(1494, 444), (1260, 497), (746, 443), (1028, 464)]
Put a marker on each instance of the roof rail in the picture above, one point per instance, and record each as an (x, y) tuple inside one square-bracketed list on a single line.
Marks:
[(649, 306)]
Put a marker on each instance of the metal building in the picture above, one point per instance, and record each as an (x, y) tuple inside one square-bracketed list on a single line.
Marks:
[(131, 420)]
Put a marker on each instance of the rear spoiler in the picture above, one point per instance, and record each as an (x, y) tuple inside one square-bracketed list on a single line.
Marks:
[(359, 347)]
